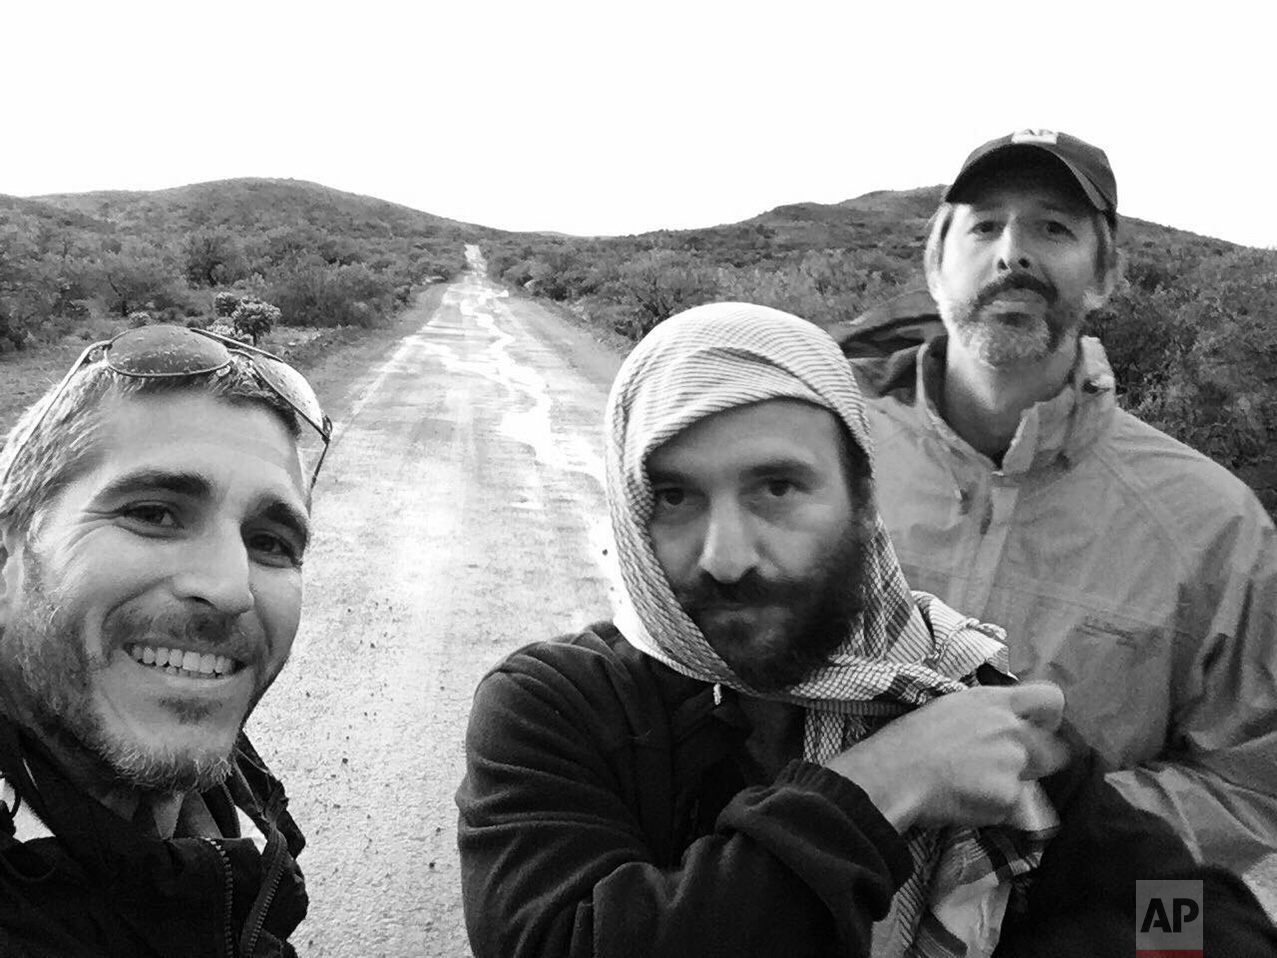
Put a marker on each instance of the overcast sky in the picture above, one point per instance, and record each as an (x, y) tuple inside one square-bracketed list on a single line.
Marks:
[(600, 117)]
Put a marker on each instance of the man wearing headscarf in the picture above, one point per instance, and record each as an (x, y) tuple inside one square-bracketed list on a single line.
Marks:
[(762, 755)]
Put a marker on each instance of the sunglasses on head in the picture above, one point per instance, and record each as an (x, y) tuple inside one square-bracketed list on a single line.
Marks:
[(170, 352)]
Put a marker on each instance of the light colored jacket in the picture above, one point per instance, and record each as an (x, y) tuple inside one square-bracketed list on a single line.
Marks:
[(1133, 571)]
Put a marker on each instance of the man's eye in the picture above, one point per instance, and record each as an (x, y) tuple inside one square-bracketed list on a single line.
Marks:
[(157, 514), (779, 487), (273, 547), (1056, 228), (984, 227), (670, 497)]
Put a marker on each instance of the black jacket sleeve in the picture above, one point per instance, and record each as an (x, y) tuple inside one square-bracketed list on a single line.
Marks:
[(1082, 900), (556, 863)]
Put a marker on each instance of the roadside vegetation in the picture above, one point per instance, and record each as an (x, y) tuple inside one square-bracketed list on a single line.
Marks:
[(1191, 333), (77, 264), (295, 267), (304, 269)]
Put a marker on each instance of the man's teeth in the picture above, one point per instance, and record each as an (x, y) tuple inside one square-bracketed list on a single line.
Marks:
[(199, 663)]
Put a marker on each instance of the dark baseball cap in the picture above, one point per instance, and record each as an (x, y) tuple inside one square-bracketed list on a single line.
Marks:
[(1087, 163)]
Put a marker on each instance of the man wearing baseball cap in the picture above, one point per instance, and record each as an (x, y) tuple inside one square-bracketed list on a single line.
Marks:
[(1088, 165), (1133, 571)]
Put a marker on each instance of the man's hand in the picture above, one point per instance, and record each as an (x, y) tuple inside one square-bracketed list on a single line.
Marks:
[(962, 759)]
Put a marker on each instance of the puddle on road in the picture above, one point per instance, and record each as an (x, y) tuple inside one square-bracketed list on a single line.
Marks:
[(533, 426)]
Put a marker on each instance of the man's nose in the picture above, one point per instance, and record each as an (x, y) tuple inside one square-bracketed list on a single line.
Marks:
[(215, 571), (1013, 252), (729, 550)]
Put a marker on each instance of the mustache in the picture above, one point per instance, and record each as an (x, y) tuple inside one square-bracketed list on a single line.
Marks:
[(1004, 284), (751, 589), (204, 626)]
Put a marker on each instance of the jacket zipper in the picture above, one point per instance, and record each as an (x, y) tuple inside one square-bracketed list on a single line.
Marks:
[(257, 916), (228, 933)]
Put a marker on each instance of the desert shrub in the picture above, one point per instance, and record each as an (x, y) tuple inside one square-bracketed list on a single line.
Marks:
[(555, 269), (281, 248), (605, 313), (502, 259), (560, 275), (1147, 334), (28, 282), (23, 314), (313, 294), (254, 318), (212, 258), (517, 273), (654, 286), (338, 249), (299, 293), (13, 331), (1195, 354), (225, 303), (436, 265), (133, 275), (822, 285), (650, 277)]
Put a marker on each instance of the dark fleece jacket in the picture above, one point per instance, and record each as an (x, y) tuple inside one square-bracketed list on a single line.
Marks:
[(102, 887), (610, 808)]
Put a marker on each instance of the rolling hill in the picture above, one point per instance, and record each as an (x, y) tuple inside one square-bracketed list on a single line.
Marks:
[(1189, 333), (324, 256), (247, 205)]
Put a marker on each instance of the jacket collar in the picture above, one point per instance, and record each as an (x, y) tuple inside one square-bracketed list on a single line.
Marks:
[(1060, 428), (163, 890), (17, 816)]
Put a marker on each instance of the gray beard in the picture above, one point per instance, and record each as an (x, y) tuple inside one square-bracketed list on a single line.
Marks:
[(46, 677), (149, 772), (1010, 339)]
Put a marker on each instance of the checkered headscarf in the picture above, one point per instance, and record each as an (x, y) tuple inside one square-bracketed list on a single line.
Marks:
[(902, 651)]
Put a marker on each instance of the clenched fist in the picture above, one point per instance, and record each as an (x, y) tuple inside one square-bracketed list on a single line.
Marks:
[(962, 759)]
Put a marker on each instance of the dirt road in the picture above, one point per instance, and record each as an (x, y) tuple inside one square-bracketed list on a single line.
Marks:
[(460, 515)]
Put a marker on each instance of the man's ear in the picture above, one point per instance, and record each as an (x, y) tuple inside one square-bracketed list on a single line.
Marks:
[(1106, 284), (12, 546)]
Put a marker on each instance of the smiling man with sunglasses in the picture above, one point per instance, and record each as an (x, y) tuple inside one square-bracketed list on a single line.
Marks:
[(154, 514)]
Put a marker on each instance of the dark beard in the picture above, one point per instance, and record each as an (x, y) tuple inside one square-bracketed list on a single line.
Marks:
[(821, 610)]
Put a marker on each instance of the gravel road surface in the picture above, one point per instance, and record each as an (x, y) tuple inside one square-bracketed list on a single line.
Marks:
[(460, 515)]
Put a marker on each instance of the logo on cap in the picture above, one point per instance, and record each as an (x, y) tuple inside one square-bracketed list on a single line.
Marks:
[(1035, 136)]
